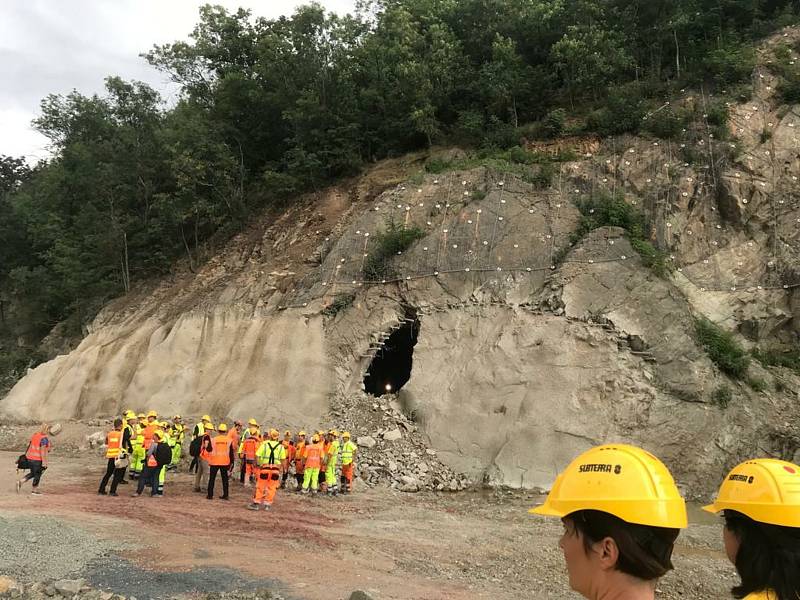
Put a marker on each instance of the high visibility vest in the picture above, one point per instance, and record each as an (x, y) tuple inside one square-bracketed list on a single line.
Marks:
[(148, 432), (348, 450), (35, 451), (289, 446), (220, 451), (299, 452), (137, 439), (151, 460), (200, 430), (114, 442), (180, 432), (249, 447), (313, 454), (271, 453), (204, 453)]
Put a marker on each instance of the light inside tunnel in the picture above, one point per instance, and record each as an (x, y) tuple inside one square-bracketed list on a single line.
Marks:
[(390, 370)]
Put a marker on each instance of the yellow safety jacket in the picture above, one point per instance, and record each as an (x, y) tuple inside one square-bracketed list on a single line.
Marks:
[(766, 595), (270, 452), (137, 439), (179, 432), (333, 454), (348, 451)]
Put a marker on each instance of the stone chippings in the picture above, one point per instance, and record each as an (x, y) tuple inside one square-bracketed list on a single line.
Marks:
[(391, 448)]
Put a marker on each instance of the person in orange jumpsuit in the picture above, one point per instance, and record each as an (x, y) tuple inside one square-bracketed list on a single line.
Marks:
[(271, 459), (299, 455), (247, 452), (288, 445), (312, 461), (325, 442)]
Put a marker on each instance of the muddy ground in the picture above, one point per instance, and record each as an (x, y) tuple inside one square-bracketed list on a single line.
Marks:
[(390, 544)]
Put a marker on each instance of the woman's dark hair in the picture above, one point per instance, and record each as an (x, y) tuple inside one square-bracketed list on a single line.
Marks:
[(768, 557), (644, 551)]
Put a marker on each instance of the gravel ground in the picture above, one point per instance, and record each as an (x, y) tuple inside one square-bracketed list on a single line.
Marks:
[(125, 578), (28, 548)]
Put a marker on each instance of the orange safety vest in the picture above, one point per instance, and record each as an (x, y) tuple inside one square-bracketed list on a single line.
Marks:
[(148, 434), (289, 449), (220, 452), (298, 457), (313, 456), (204, 454), (151, 460), (250, 446), (114, 443), (34, 451)]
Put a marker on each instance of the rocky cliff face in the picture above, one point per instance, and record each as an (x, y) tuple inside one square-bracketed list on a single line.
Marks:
[(530, 349)]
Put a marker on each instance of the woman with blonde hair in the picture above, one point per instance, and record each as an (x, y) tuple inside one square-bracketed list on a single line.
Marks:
[(36, 457)]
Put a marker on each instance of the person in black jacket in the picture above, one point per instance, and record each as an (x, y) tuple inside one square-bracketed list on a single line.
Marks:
[(119, 449), (158, 456)]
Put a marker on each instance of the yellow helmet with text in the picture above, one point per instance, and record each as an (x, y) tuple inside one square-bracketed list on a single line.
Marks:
[(622, 480), (765, 489)]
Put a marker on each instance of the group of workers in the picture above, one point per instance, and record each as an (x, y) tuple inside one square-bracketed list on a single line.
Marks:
[(622, 514), (147, 447), (619, 504)]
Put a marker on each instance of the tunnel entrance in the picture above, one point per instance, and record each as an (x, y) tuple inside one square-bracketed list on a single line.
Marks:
[(390, 370)]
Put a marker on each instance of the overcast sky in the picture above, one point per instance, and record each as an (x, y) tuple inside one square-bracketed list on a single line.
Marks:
[(55, 46)]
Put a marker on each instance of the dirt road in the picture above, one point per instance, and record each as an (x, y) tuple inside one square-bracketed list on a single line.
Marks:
[(390, 544)]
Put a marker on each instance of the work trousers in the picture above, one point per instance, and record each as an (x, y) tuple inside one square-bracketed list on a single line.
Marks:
[(137, 461), (194, 464), (161, 477), (249, 469), (201, 478), (330, 475), (267, 482), (299, 478), (311, 477), (223, 471), (119, 475), (36, 471), (176, 454), (149, 477), (347, 477)]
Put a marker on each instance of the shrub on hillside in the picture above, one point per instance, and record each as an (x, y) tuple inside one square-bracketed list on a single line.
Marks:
[(722, 348), (553, 123), (667, 123), (387, 244)]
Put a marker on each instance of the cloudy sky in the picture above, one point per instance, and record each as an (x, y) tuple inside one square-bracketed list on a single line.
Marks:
[(55, 46)]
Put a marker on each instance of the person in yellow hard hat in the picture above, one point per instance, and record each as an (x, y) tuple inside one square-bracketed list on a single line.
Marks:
[(288, 445), (203, 469), (622, 513), (248, 444), (271, 460), (349, 450), (178, 434), (332, 452), (194, 446), (137, 442), (760, 501)]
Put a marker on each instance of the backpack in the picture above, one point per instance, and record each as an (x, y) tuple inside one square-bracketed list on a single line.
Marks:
[(163, 454), (194, 447), (22, 462)]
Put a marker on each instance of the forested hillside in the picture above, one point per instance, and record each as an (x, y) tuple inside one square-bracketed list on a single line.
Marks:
[(271, 109)]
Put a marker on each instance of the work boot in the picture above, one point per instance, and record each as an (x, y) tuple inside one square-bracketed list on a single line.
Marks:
[(304, 491), (115, 494), (101, 492), (123, 482), (135, 495), (36, 492), (267, 506), (19, 485), (253, 506), (224, 498)]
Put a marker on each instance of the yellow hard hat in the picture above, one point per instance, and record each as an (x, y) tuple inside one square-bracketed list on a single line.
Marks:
[(346, 434), (253, 422), (222, 428), (129, 414), (273, 433), (206, 418), (210, 426), (176, 418), (315, 438), (164, 424), (765, 489), (301, 433), (624, 481), (321, 433), (158, 434), (287, 433), (141, 416), (334, 433), (152, 413)]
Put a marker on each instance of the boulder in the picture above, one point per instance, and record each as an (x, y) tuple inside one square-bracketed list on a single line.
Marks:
[(393, 435), (366, 441), (359, 595), (69, 587), (6, 583), (56, 429), (96, 439)]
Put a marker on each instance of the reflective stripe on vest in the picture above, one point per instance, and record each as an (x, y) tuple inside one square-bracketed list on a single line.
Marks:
[(348, 450), (313, 454), (34, 451), (114, 442), (220, 451)]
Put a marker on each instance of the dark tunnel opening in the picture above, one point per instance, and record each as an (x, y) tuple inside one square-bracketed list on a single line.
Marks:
[(390, 370)]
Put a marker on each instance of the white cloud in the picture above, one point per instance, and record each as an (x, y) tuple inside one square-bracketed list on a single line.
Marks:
[(53, 47)]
